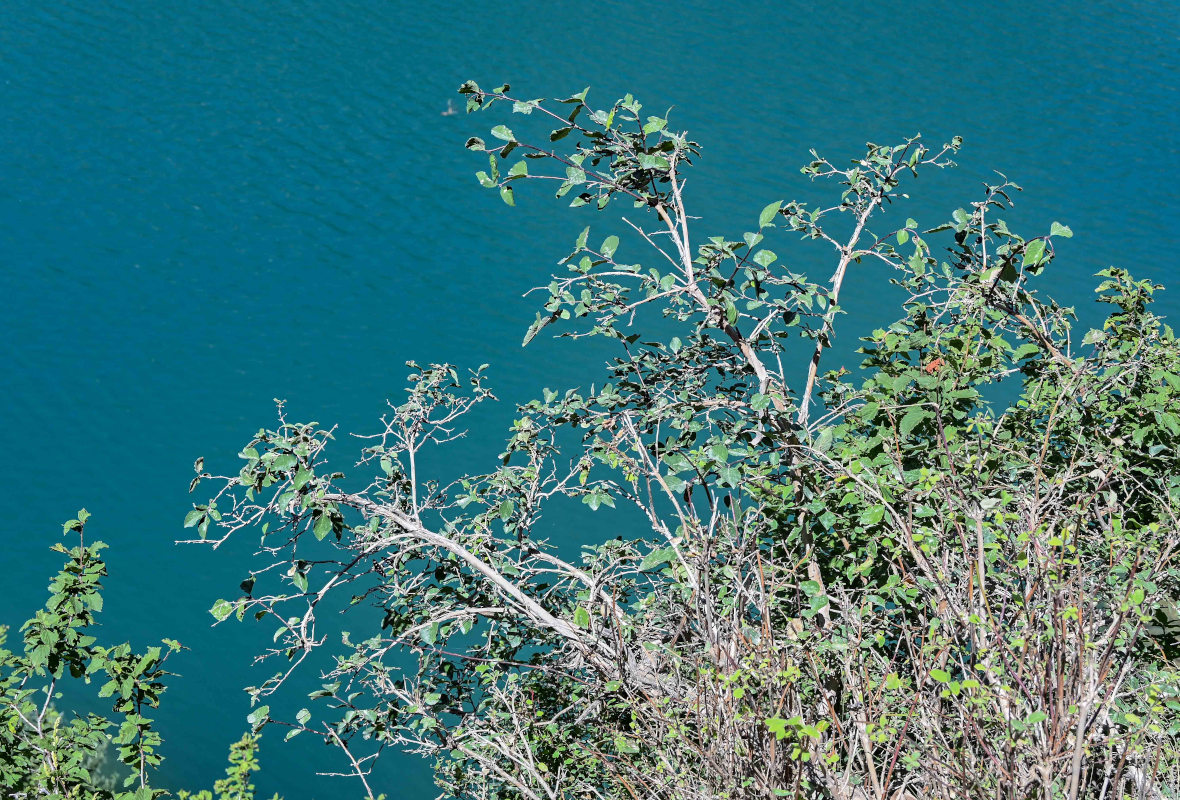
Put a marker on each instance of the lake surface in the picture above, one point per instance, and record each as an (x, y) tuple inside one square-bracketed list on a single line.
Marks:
[(205, 206)]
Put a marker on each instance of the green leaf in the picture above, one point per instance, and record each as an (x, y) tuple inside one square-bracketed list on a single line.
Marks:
[(581, 243), (777, 726), (579, 98), (940, 675), (582, 618), (609, 246), (911, 419), (503, 133), (284, 462), (649, 161), (322, 527), (623, 745), (1033, 252), (221, 610), (193, 517), (506, 509), (1025, 350), (653, 125), (811, 588), (535, 328), (674, 483), (506, 195), (1057, 229), (519, 170), (823, 442), (258, 717), (301, 478), (872, 515), (768, 213), (657, 557), (903, 236), (598, 498), (764, 258)]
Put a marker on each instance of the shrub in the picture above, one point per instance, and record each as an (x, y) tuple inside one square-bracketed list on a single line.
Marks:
[(947, 573), (47, 753)]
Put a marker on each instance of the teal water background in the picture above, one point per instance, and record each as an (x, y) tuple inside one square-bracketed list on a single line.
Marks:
[(205, 206)]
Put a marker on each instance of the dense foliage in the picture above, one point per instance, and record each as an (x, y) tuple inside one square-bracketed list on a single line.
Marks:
[(46, 753), (42, 753)]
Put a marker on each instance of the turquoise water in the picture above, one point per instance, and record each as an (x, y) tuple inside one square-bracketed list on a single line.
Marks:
[(205, 206)]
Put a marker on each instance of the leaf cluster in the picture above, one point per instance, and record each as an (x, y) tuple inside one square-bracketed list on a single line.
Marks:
[(48, 753)]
